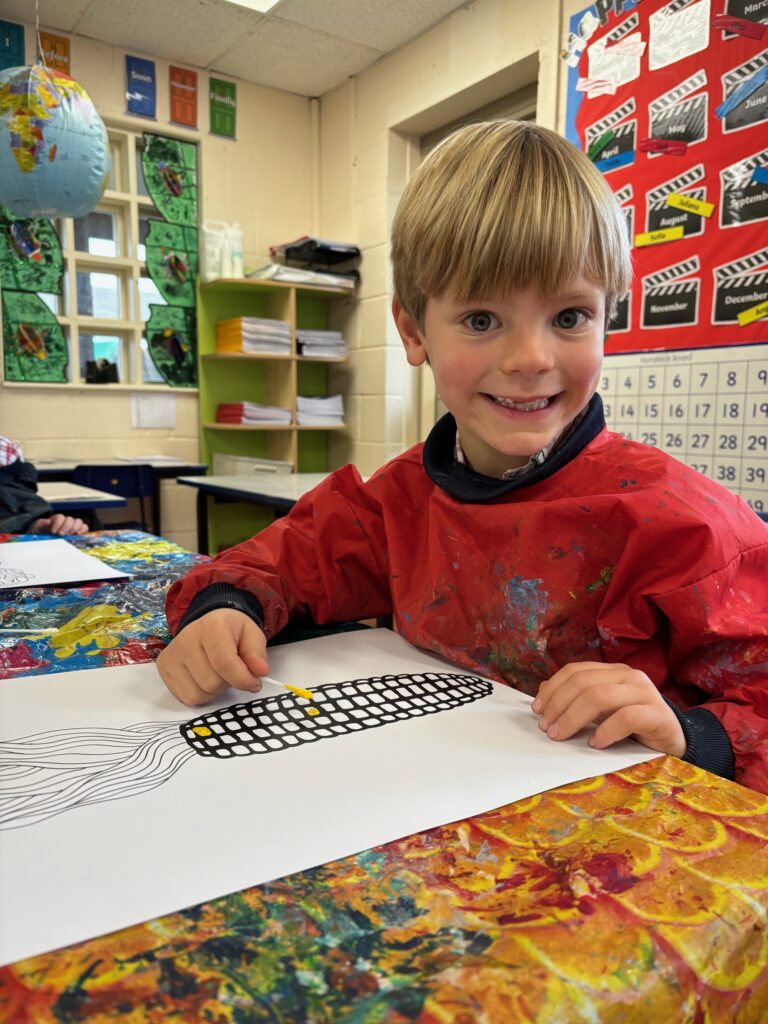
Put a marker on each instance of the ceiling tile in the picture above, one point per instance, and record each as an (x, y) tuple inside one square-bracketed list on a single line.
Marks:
[(295, 58), (383, 26), (188, 31), (54, 14)]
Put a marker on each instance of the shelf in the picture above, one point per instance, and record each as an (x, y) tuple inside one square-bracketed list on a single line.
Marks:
[(268, 426), (273, 357), (256, 356), (251, 284)]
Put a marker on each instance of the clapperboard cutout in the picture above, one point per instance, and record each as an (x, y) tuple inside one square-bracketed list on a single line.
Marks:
[(755, 107), (658, 215), (625, 135), (606, 62), (622, 317), (670, 302), (742, 200), (679, 115), (740, 285), (749, 10)]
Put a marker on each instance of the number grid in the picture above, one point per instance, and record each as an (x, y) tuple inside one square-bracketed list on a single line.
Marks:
[(706, 407)]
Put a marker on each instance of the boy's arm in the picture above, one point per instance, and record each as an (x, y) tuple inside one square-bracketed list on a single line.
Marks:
[(718, 643), (326, 558)]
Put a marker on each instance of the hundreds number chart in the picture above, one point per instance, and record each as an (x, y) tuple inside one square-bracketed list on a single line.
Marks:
[(708, 407)]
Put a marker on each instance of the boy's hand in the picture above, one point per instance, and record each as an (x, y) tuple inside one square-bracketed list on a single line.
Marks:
[(59, 525), (622, 699), (223, 648)]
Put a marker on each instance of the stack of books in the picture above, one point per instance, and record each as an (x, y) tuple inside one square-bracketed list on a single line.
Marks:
[(320, 412), (252, 414), (254, 334), (322, 344)]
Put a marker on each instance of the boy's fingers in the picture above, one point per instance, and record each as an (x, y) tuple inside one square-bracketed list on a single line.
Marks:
[(230, 666), (589, 705), (635, 718)]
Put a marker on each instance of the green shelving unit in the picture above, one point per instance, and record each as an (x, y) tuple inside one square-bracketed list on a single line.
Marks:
[(269, 379)]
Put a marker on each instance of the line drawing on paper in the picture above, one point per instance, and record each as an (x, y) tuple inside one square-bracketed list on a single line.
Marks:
[(47, 773)]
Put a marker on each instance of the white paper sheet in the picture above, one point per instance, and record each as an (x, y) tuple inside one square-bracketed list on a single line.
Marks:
[(217, 826), (676, 33), (43, 563)]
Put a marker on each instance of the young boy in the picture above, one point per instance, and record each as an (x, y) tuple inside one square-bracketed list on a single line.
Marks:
[(522, 540), (22, 510)]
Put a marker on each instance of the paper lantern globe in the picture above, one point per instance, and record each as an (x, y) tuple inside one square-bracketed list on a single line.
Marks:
[(54, 150)]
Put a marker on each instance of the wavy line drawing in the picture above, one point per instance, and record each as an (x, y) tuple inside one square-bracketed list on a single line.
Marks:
[(47, 773), (10, 577)]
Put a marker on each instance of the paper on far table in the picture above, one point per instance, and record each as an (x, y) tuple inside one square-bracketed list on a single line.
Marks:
[(43, 563), (214, 825)]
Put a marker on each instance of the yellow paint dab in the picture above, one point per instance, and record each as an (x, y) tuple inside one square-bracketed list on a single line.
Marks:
[(201, 730), (313, 711), (306, 694)]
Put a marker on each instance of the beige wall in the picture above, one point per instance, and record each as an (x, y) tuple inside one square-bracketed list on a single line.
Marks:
[(263, 181), (277, 183), (369, 130)]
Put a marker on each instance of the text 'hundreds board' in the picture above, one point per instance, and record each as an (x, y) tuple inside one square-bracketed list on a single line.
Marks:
[(707, 407)]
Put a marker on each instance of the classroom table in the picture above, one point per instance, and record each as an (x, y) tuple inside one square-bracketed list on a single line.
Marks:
[(636, 896), (162, 469), (63, 496), (278, 491)]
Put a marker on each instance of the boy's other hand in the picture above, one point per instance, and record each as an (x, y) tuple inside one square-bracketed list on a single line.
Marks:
[(221, 649), (621, 699), (59, 525)]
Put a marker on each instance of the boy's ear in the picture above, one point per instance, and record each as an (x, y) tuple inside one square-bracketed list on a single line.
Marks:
[(413, 342)]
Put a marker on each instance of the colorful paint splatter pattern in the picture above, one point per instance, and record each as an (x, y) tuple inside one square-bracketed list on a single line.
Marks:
[(626, 898), (118, 623)]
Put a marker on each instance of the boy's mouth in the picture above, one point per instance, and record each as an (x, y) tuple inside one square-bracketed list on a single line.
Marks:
[(527, 405)]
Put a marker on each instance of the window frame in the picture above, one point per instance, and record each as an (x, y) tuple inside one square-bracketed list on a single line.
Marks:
[(126, 203)]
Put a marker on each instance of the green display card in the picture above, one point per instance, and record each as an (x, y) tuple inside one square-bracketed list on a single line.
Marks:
[(172, 261), (170, 174), (34, 344), (172, 340), (30, 254), (223, 107)]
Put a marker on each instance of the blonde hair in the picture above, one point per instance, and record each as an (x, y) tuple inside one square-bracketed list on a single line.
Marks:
[(502, 205)]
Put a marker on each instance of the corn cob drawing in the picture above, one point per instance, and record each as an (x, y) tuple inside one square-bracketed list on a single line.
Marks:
[(47, 773)]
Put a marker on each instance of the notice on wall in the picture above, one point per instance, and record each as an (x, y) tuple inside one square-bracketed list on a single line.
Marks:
[(223, 107), (140, 87)]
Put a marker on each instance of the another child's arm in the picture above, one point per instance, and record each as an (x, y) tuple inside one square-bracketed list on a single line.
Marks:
[(59, 525), (623, 700), (221, 649)]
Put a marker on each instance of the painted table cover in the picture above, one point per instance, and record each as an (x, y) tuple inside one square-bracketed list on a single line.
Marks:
[(98, 624), (633, 897)]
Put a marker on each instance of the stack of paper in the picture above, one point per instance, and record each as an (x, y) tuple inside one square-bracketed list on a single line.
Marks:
[(320, 412), (298, 275), (251, 413), (253, 334), (322, 344)]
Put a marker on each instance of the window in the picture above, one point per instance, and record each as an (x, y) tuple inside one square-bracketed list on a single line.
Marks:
[(106, 288)]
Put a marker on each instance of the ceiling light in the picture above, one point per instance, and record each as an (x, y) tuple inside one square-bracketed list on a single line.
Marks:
[(262, 6)]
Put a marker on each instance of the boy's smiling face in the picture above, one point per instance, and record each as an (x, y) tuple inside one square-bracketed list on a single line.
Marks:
[(514, 370)]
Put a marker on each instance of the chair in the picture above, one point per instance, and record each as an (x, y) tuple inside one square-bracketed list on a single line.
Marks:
[(129, 481)]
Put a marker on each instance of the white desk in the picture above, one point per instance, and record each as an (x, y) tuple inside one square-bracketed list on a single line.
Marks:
[(276, 490), (62, 496)]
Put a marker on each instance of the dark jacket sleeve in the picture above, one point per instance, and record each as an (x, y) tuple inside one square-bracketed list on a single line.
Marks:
[(20, 504)]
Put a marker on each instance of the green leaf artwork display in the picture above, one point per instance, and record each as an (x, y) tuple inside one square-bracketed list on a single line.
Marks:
[(170, 174), (172, 340), (172, 261), (35, 348), (30, 254)]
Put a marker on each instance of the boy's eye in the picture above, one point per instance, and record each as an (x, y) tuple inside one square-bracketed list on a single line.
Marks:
[(568, 319), (482, 321)]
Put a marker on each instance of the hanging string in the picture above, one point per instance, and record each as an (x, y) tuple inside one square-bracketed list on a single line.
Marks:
[(40, 51)]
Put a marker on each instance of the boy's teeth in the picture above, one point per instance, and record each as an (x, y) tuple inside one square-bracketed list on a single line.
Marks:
[(540, 403)]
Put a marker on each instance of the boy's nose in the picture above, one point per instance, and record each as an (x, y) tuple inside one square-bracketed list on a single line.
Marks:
[(527, 353)]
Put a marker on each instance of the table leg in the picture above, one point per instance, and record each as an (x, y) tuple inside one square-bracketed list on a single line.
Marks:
[(202, 522)]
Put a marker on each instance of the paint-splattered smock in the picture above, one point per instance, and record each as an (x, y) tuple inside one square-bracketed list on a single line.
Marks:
[(610, 550)]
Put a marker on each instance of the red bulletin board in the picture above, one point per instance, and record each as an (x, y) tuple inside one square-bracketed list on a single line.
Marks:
[(687, 293)]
